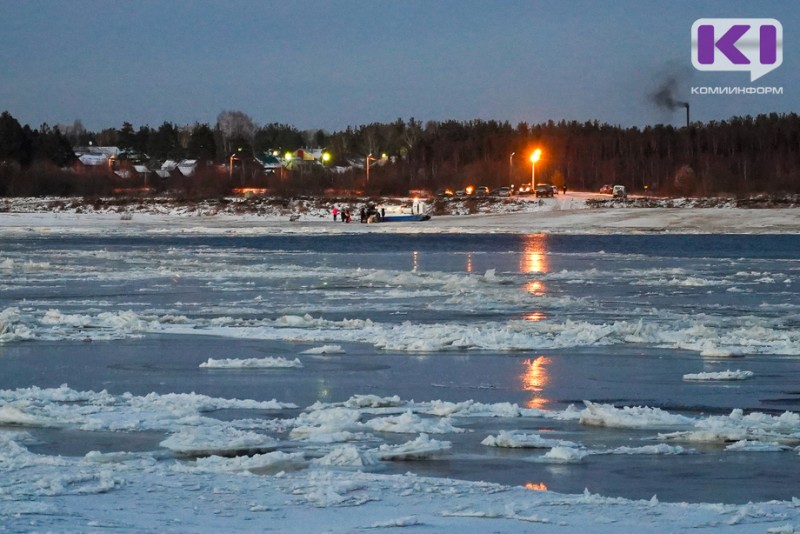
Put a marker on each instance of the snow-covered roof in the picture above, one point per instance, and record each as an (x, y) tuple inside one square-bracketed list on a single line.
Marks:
[(269, 161), (187, 166), (94, 159)]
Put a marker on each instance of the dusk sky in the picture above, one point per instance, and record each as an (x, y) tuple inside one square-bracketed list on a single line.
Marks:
[(333, 64)]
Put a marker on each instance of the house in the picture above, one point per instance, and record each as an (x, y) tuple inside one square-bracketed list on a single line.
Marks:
[(187, 167), (306, 159), (96, 156), (94, 160), (270, 163), (169, 165)]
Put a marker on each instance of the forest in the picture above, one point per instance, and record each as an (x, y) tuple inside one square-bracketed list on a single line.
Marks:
[(737, 157)]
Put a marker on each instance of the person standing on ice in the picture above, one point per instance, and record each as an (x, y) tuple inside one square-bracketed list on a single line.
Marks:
[(335, 213)]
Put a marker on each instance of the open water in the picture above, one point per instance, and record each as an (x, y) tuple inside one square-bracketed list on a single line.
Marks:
[(543, 322)]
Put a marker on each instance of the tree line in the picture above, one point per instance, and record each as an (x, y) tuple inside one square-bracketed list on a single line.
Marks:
[(739, 156)]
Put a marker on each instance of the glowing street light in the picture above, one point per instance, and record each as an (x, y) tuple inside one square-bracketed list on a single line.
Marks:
[(510, 165), (534, 158), (234, 157), (326, 157), (369, 158)]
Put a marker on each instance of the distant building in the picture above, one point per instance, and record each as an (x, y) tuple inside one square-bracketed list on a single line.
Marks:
[(270, 163), (187, 167), (305, 159), (96, 156)]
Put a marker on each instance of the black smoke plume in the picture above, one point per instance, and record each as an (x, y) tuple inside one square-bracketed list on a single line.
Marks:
[(666, 95)]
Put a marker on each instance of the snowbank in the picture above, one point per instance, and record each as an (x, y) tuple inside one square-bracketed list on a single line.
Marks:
[(563, 214)]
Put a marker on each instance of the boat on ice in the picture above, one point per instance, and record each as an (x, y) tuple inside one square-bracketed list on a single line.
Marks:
[(370, 214), (405, 218)]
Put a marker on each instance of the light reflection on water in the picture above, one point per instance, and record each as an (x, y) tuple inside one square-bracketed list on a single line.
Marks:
[(535, 317), (535, 287), (536, 486), (534, 260), (534, 378), (534, 254)]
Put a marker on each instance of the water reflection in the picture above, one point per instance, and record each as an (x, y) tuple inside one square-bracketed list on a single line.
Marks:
[(469, 262), (323, 391), (534, 254), (536, 486), (415, 261), (534, 261), (535, 287), (534, 378), (535, 317)]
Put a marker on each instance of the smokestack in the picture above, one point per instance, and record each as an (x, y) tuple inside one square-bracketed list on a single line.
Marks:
[(666, 96)]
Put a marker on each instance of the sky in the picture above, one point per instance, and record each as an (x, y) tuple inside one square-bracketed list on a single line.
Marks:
[(329, 65)]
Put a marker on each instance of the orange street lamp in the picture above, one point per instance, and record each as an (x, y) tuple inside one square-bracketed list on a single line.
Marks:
[(234, 157), (369, 158), (510, 166), (534, 158)]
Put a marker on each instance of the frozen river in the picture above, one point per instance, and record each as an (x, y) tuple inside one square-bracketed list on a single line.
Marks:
[(627, 365)]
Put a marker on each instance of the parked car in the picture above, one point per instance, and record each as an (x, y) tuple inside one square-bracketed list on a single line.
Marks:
[(619, 191), (606, 189), (544, 190), (504, 192), (524, 190), (482, 190)]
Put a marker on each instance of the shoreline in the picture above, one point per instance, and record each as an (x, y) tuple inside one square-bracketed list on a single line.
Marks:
[(574, 213), (576, 222)]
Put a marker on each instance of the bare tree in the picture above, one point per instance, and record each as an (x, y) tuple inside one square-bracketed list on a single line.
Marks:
[(235, 126), (75, 133)]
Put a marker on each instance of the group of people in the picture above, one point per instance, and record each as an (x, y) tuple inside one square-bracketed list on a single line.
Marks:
[(368, 214), (345, 215), (371, 214)]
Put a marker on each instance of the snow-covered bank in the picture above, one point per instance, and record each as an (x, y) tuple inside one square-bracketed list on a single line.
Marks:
[(574, 213)]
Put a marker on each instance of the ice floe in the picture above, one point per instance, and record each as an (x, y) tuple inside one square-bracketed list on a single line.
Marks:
[(217, 440), (422, 447), (234, 363), (524, 440), (720, 375)]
